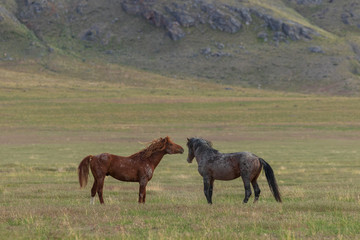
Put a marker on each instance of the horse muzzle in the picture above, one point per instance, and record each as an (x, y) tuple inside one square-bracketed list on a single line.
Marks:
[(179, 150)]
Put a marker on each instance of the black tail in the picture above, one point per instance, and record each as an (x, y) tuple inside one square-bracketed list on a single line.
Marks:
[(270, 177)]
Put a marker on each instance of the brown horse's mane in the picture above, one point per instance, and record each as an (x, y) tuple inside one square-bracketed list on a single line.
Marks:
[(154, 146)]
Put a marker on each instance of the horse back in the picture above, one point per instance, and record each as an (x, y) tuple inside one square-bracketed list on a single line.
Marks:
[(233, 165), (222, 166)]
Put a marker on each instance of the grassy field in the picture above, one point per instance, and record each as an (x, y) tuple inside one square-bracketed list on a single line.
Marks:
[(49, 123)]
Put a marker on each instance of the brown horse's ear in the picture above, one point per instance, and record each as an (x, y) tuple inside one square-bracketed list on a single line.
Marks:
[(188, 139), (164, 142)]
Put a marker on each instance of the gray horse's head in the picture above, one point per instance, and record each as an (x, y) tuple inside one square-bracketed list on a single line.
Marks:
[(193, 144), (191, 154)]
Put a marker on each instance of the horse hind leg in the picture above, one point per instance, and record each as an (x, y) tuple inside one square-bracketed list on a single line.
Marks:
[(93, 192), (256, 190), (247, 189), (255, 184), (100, 186)]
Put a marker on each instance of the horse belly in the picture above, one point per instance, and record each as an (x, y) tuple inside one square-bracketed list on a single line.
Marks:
[(125, 176), (225, 172), (123, 171)]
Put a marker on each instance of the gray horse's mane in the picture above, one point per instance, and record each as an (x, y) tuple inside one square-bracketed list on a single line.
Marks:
[(203, 145)]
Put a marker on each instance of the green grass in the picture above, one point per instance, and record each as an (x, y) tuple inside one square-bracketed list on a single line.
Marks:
[(49, 123)]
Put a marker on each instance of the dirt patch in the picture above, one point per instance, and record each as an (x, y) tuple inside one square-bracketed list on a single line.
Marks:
[(142, 136), (41, 137)]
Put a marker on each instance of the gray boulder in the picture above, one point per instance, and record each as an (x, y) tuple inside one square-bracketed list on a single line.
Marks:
[(174, 31), (316, 49), (307, 2), (183, 17), (224, 22), (90, 34), (244, 13)]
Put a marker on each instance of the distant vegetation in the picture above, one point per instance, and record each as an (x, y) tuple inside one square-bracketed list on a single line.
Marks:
[(292, 45)]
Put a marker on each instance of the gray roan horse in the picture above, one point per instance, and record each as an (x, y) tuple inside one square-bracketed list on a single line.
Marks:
[(213, 165)]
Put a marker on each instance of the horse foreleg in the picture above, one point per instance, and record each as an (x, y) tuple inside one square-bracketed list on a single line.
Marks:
[(207, 191), (247, 189), (211, 189), (142, 192)]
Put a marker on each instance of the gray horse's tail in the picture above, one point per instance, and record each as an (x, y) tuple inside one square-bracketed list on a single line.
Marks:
[(270, 177)]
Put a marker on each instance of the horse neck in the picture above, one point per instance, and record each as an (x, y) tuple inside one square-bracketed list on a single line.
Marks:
[(203, 152), (156, 157)]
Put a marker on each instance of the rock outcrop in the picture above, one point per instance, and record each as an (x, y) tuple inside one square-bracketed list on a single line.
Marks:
[(147, 10), (307, 2), (173, 17), (351, 14), (283, 27)]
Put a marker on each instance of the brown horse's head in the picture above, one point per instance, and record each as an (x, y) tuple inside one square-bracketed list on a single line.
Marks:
[(160, 145), (171, 147)]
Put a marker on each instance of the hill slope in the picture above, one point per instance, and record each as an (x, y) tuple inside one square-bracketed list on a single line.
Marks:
[(293, 45)]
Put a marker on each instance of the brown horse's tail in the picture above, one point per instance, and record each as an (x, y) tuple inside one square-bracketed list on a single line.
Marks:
[(270, 177), (83, 170)]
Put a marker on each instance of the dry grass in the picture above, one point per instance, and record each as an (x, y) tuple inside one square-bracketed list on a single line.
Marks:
[(49, 123)]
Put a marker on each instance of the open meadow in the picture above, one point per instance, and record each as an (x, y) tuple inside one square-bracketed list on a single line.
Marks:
[(48, 124)]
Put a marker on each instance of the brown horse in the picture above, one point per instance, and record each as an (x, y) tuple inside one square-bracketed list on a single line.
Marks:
[(138, 167), (213, 165)]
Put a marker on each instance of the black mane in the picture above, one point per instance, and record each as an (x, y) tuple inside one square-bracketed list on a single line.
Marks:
[(202, 145)]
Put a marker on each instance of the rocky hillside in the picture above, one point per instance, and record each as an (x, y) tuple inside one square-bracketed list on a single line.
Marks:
[(175, 17), (292, 45)]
